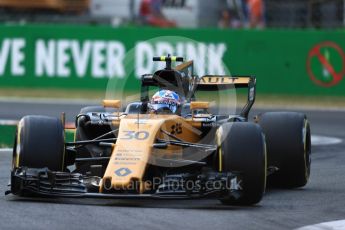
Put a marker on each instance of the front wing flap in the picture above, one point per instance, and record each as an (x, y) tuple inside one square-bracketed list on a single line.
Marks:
[(43, 182)]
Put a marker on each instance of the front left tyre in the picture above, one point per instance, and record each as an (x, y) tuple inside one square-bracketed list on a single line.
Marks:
[(39, 143)]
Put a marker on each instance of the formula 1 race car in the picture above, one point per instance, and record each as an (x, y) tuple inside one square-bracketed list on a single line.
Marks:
[(148, 150)]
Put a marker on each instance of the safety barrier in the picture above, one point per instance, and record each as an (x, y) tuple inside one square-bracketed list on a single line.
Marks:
[(302, 62)]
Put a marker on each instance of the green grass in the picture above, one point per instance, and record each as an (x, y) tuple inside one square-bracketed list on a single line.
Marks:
[(7, 134)]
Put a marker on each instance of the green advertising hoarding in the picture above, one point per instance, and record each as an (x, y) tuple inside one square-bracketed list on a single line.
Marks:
[(87, 57)]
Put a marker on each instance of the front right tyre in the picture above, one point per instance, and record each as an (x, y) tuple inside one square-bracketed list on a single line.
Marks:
[(242, 149)]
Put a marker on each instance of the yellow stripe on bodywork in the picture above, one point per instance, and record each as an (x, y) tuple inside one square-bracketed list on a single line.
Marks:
[(220, 159), (17, 150), (305, 130), (64, 150), (219, 145)]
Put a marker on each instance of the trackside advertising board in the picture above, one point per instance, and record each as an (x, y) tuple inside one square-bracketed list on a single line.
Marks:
[(87, 57)]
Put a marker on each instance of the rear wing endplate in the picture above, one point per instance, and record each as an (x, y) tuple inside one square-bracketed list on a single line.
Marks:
[(223, 82)]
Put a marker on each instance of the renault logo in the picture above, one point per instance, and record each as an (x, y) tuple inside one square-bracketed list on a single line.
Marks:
[(123, 172)]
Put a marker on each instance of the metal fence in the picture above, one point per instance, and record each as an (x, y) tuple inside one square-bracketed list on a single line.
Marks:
[(304, 13)]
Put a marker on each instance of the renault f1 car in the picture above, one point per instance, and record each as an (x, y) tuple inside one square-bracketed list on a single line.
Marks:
[(123, 153)]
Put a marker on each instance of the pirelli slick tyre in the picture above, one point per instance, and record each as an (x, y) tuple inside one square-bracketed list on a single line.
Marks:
[(288, 147), (241, 148), (39, 143)]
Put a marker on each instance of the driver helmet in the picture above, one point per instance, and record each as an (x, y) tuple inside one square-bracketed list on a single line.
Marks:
[(165, 102)]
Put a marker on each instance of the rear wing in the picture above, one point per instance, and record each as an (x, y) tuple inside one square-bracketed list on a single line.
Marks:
[(223, 82), (217, 82)]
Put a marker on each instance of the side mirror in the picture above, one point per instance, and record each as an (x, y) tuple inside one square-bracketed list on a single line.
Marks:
[(112, 103), (195, 105), (199, 105)]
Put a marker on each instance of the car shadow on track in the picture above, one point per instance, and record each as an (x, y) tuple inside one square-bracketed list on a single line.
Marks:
[(204, 204)]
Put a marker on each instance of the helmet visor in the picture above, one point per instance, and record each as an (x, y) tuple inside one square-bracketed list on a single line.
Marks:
[(163, 107)]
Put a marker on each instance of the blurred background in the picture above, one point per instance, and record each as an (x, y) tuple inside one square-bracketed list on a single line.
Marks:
[(72, 48), (179, 13)]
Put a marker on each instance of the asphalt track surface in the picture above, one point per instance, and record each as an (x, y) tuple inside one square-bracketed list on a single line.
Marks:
[(323, 199)]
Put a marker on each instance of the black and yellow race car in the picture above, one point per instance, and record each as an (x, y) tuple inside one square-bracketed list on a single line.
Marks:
[(193, 151)]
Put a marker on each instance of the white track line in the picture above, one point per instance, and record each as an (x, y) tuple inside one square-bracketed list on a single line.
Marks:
[(55, 101), (332, 225), (15, 122), (6, 150), (8, 122), (321, 108), (317, 140)]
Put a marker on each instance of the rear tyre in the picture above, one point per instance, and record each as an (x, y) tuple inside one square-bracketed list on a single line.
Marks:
[(288, 147), (241, 148), (39, 143)]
